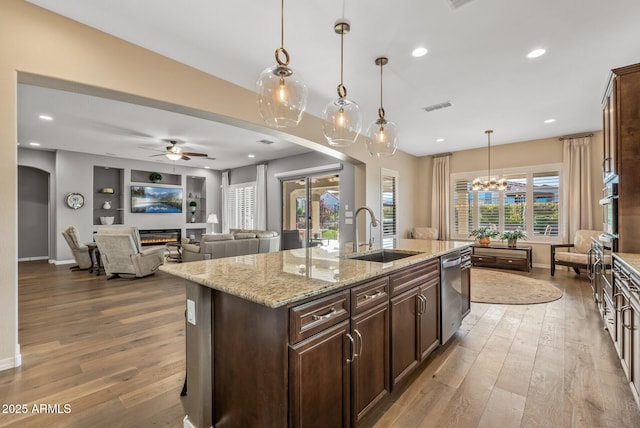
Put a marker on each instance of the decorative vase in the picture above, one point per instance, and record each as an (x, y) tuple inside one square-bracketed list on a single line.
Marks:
[(484, 241), (106, 205), (512, 243)]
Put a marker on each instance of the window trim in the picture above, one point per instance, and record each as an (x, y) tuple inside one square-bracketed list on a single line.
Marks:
[(233, 208), (528, 172)]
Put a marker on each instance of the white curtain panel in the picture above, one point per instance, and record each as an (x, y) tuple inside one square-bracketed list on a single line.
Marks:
[(226, 213), (261, 197), (440, 196), (577, 186)]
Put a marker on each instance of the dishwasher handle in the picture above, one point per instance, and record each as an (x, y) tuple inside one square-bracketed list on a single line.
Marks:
[(446, 264)]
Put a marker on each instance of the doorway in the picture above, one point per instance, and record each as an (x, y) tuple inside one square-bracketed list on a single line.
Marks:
[(33, 214), (311, 212)]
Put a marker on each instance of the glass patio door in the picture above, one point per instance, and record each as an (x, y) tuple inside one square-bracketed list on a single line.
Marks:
[(310, 212)]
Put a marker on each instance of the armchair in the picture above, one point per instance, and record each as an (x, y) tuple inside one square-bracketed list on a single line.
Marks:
[(576, 255), (424, 233), (80, 251), (122, 253)]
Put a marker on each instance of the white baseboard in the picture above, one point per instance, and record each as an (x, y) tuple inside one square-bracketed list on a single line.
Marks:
[(62, 262), (10, 363), (186, 423), (32, 259)]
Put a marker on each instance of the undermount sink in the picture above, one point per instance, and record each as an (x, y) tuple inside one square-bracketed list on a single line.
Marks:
[(383, 256)]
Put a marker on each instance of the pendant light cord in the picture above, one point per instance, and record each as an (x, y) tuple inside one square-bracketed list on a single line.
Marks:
[(381, 109), (282, 24)]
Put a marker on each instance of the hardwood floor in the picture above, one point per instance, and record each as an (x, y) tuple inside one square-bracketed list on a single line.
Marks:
[(114, 352)]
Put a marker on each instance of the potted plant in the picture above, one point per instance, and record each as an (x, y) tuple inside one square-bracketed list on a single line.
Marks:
[(155, 177), (484, 235), (512, 237)]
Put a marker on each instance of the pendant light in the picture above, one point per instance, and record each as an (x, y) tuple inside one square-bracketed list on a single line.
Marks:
[(490, 183), (382, 135), (342, 119), (281, 93)]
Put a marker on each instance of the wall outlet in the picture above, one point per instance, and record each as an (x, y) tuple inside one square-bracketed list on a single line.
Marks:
[(191, 312)]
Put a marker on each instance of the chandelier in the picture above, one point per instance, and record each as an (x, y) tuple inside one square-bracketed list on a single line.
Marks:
[(491, 183)]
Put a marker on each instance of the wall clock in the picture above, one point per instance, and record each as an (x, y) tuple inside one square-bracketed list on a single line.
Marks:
[(74, 200)]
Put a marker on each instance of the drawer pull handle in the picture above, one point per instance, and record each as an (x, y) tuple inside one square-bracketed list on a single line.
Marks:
[(372, 296), (324, 316)]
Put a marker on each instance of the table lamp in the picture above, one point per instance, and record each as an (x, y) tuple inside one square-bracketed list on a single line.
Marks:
[(213, 219)]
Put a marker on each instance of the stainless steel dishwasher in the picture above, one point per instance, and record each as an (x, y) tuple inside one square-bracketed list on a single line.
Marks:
[(451, 294)]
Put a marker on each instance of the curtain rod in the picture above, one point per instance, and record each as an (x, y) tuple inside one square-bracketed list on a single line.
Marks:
[(570, 137), (441, 155)]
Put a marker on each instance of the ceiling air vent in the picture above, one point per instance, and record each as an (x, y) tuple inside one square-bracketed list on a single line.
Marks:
[(265, 141), (437, 106), (454, 4)]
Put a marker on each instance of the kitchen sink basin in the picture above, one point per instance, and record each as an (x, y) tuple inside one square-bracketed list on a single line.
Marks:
[(384, 256)]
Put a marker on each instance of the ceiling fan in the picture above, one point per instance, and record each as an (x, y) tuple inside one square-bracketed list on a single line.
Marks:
[(173, 152)]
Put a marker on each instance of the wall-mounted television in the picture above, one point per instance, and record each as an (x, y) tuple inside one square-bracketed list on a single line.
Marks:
[(147, 199)]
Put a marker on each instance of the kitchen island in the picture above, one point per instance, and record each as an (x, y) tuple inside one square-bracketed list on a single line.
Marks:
[(307, 336)]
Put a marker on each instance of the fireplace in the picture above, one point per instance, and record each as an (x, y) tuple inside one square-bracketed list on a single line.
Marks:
[(159, 236)]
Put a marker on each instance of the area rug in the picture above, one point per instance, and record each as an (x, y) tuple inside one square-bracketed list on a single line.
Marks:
[(496, 286)]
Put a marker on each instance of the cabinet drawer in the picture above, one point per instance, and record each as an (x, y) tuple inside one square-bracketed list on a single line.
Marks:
[(310, 318), (370, 294), (483, 260), (414, 275), (511, 261)]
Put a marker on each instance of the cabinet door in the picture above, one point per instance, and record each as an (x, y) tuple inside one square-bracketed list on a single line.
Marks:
[(319, 379), (405, 354), (626, 324), (370, 369), (429, 318)]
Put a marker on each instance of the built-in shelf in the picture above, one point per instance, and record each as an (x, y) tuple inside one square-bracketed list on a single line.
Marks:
[(108, 178), (196, 193), (139, 176)]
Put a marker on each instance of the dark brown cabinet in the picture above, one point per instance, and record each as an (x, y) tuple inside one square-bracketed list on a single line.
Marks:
[(415, 329), (319, 374), (621, 126), (370, 369)]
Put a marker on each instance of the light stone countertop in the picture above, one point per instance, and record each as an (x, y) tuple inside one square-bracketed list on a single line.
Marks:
[(630, 259), (280, 278)]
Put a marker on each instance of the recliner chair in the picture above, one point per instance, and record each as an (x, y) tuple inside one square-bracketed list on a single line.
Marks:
[(424, 233), (122, 253), (80, 251)]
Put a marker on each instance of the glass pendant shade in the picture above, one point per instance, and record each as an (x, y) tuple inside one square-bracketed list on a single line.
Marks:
[(342, 122), (382, 138), (281, 96)]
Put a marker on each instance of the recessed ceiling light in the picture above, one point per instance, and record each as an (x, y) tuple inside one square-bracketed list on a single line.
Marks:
[(536, 53), (440, 140), (252, 156), (549, 121), (33, 143), (418, 52), (45, 117)]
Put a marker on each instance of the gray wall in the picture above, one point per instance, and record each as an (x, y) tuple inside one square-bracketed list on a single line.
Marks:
[(292, 163), (33, 213), (73, 172)]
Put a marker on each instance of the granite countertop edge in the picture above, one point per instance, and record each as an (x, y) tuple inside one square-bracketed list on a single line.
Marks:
[(630, 259), (284, 288)]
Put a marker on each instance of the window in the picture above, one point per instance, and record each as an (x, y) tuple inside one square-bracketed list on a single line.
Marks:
[(530, 203), (242, 205), (389, 206)]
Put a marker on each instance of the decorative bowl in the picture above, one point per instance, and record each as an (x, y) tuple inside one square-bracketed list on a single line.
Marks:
[(106, 220)]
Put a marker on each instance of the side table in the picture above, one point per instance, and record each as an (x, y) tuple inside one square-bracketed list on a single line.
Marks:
[(96, 261), (173, 252)]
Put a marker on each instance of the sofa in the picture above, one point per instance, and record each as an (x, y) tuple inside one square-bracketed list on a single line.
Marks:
[(237, 242)]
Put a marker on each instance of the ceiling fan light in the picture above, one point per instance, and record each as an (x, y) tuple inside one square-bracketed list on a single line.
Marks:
[(342, 122), (173, 156)]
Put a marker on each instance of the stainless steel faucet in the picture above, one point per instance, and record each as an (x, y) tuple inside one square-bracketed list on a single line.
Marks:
[(374, 223)]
